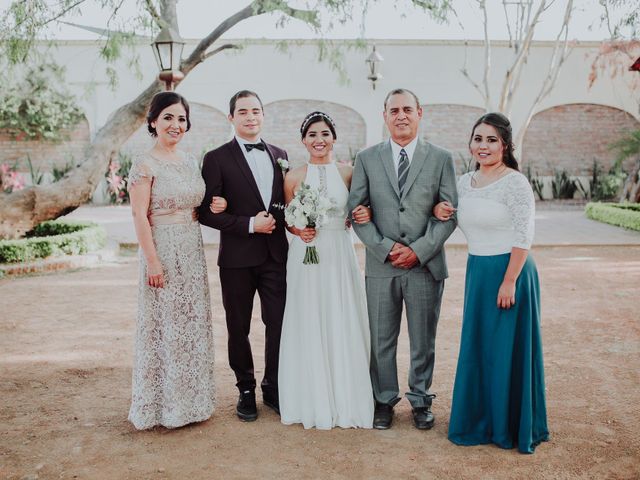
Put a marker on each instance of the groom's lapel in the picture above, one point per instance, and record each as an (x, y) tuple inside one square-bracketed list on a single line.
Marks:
[(386, 157), (417, 163), (239, 158)]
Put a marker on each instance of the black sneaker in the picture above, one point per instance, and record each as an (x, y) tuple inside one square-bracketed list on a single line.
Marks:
[(246, 407)]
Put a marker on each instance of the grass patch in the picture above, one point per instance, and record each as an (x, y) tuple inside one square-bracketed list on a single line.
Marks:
[(54, 238), (626, 215)]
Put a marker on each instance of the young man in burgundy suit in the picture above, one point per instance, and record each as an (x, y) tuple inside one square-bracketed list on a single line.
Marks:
[(253, 244)]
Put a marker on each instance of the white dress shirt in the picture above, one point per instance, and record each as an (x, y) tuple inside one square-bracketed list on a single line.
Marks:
[(410, 148), (262, 170)]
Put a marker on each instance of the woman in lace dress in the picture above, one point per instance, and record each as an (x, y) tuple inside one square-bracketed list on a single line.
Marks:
[(173, 367), (323, 375), (498, 396)]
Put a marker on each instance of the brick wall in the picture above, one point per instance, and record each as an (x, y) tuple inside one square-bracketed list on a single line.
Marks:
[(571, 136), (45, 154), (448, 126), (209, 128), (282, 128)]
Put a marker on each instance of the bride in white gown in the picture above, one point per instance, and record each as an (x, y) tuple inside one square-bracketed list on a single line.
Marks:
[(324, 351)]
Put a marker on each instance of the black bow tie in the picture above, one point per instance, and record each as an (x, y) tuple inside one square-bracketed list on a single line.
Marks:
[(251, 146)]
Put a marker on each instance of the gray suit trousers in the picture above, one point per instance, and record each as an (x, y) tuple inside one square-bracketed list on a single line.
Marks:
[(421, 295)]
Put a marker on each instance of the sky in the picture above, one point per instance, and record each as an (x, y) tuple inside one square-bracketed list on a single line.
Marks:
[(383, 21)]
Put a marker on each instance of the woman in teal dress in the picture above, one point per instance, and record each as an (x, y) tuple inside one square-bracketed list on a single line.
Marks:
[(498, 396)]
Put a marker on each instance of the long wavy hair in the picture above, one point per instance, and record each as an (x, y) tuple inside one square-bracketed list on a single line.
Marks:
[(503, 127)]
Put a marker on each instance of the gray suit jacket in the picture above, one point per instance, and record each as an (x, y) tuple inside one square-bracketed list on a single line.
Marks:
[(407, 220)]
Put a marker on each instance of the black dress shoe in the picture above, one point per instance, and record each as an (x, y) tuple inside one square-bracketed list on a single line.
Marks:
[(246, 407), (423, 419), (383, 416), (272, 403)]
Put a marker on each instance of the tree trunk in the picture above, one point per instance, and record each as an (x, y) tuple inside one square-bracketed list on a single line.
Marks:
[(631, 190), (21, 211)]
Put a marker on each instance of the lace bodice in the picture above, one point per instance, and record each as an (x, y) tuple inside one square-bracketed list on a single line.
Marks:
[(176, 186), (497, 217), (328, 180)]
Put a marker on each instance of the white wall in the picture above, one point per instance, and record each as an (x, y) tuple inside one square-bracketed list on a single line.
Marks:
[(430, 68)]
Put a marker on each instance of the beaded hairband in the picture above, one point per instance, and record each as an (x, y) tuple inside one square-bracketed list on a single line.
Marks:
[(313, 115)]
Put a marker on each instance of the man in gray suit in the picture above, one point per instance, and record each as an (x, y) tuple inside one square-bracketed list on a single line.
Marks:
[(401, 180)]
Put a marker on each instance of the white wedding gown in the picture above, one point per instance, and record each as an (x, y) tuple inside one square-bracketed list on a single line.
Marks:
[(324, 351)]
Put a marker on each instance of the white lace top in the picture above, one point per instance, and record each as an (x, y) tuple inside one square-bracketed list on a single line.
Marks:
[(497, 217)]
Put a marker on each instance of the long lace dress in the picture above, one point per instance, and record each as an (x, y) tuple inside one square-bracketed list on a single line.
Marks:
[(173, 367), (323, 373)]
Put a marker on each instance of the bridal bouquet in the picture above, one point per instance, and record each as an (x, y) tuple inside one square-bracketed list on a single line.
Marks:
[(308, 208)]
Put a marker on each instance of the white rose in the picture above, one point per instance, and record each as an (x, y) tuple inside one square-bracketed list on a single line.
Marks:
[(300, 220)]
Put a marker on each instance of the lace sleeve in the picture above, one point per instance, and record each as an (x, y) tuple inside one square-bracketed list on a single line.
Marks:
[(140, 171), (522, 207)]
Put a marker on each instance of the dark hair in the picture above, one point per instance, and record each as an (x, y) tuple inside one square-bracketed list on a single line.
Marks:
[(242, 94), (159, 102), (503, 127), (401, 91), (315, 117)]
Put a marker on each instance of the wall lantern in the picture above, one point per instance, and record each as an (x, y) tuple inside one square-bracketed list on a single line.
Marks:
[(374, 60), (167, 48)]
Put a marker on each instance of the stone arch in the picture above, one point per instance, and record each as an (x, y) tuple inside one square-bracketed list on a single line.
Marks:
[(571, 136), (209, 129), (45, 154), (282, 127), (448, 126)]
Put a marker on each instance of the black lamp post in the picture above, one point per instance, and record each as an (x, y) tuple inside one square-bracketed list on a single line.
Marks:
[(167, 48), (373, 60)]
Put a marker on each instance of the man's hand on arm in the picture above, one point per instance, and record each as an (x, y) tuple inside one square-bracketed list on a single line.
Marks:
[(264, 223)]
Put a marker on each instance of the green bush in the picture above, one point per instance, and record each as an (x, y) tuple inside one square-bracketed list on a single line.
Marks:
[(54, 238), (625, 215), (563, 185)]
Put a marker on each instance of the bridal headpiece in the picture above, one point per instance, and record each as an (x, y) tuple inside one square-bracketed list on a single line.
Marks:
[(317, 116)]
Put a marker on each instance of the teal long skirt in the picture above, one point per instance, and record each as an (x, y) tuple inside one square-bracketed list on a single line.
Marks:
[(498, 396)]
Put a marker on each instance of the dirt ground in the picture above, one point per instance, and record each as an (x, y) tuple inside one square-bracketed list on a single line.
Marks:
[(66, 343)]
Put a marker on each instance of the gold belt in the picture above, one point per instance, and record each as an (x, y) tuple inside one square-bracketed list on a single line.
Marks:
[(173, 217)]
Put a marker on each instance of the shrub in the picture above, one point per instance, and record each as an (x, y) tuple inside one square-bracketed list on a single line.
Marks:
[(36, 106), (58, 173), (117, 179), (54, 238), (625, 215), (537, 184), (562, 185), (10, 180), (605, 186)]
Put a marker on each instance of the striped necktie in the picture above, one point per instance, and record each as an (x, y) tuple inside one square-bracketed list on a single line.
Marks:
[(403, 170)]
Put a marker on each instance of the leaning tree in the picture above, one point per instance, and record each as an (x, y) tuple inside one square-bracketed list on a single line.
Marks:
[(23, 22), (521, 18)]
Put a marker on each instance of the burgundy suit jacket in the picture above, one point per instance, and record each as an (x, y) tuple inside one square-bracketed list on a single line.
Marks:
[(227, 174)]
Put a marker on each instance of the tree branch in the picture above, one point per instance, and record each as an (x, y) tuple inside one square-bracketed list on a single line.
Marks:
[(226, 46), (487, 58), (465, 72), (512, 76), (62, 13), (151, 9), (255, 8), (168, 13), (558, 57)]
